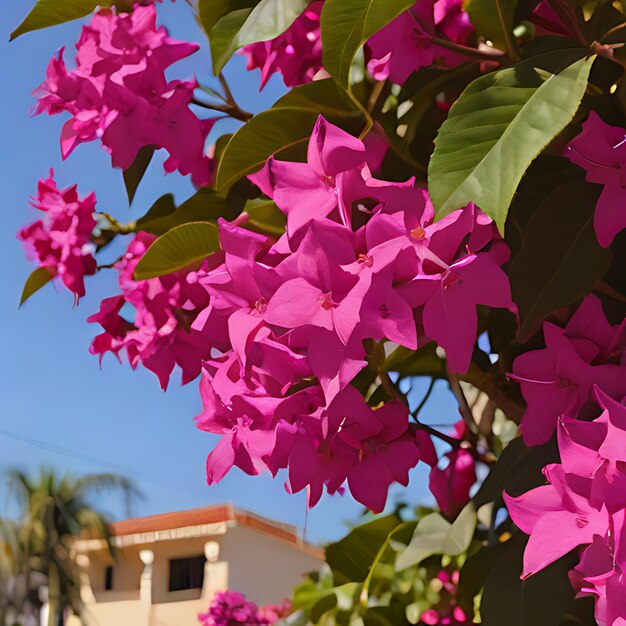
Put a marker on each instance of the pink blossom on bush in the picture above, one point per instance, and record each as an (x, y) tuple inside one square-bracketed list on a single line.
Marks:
[(118, 93), (558, 379), (294, 314), (230, 608), (601, 150), (61, 242), (296, 54), (405, 45), (451, 485), (583, 504), (158, 334)]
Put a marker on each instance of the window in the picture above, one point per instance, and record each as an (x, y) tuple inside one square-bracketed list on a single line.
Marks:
[(108, 578), (187, 573)]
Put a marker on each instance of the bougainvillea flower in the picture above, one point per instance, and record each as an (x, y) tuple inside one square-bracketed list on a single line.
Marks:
[(296, 53), (229, 608), (61, 242), (451, 485), (308, 191), (559, 379), (118, 92), (601, 150), (450, 300), (405, 45), (160, 335)]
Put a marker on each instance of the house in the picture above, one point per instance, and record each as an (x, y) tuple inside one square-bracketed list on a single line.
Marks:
[(167, 567)]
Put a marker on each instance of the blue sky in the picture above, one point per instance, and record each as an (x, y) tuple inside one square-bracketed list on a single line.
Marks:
[(52, 390)]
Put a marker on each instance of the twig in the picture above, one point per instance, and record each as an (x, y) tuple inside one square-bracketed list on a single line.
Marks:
[(232, 111), (420, 406), (464, 408)]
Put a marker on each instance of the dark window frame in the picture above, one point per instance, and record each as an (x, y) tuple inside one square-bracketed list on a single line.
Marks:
[(186, 573), (108, 578)]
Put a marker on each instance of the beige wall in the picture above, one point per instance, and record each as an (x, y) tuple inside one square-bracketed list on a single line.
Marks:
[(264, 568)]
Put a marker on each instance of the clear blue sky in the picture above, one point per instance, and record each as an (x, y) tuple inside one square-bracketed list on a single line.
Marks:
[(51, 389)]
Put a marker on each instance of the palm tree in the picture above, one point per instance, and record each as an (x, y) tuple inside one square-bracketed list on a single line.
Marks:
[(55, 510)]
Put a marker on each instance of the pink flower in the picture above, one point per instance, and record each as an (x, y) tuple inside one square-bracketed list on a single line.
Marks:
[(601, 150), (160, 335), (451, 485), (296, 54), (405, 45), (61, 242), (118, 93), (229, 608), (558, 380), (583, 505)]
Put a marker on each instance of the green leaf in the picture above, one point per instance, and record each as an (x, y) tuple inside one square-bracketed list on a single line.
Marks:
[(134, 174), (178, 248), (237, 29), (518, 470), (540, 600), (421, 362), (265, 217), (210, 12), (204, 206), (500, 123), (348, 24), (402, 534), (493, 19), (560, 259), (352, 556), (288, 123), (37, 279), (436, 535), (52, 12)]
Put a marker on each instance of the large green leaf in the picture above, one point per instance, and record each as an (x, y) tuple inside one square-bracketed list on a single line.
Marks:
[(237, 29), (518, 470), (540, 600), (265, 217), (436, 535), (36, 280), (181, 247), (501, 122), (560, 259), (348, 24), (288, 123), (204, 206), (493, 19), (134, 174), (210, 12), (52, 12), (352, 556)]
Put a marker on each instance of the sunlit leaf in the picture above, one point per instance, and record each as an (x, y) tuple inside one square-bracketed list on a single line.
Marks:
[(348, 24), (181, 247), (501, 122), (239, 28), (37, 279)]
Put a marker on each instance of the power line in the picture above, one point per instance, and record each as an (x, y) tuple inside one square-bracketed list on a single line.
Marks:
[(4, 432)]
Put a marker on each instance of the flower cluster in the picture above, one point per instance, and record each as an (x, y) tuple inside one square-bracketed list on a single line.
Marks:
[(558, 379), (394, 53), (229, 608), (406, 44), (296, 54), (361, 260), (601, 150), (584, 504), (61, 243), (159, 335), (118, 93), (446, 612), (451, 485)]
